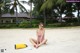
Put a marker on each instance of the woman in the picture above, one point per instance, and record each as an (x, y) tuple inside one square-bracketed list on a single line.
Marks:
[(40, 37)]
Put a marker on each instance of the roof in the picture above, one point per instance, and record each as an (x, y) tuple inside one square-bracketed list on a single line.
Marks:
[(14, 15)]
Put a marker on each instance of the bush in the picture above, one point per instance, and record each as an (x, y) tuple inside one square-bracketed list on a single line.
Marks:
[(35, 23), (24, 24), (8, 25), (2, 26)]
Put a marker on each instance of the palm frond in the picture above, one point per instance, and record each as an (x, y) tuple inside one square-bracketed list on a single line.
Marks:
[(31, 1), (62, 2), (22, 10), (24, 2), (21, 6), (2, 5), (47, 4), (12, 10), (43, 6)]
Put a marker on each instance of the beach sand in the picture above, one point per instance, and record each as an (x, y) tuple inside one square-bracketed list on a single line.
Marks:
[(59, 40)]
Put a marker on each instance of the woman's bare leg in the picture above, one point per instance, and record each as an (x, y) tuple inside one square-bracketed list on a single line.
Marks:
[(43, 42), (33, 41)]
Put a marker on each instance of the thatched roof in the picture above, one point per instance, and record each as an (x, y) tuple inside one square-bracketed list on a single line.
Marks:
[(14, 15)]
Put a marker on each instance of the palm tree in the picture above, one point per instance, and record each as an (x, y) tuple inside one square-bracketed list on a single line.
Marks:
[(3, 6), (50, 3), (14, 7), (47, 4), (30, 4), (36, 9), (44, 16), (78, 6), (31, 13)]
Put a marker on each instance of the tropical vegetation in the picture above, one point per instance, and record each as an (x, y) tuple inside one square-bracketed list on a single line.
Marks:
[(50, 12)]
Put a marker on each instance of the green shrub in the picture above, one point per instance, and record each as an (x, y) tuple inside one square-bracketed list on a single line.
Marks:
[(24, 24), (8, 25), (35, 23), (2, 26)]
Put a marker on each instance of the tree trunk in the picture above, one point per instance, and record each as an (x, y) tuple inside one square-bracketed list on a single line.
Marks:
[(44, 18), (71, 15), (78, 16), (16, 16), (30, 14), (61, 18), (0, 13), (44, 14), (60, 15)]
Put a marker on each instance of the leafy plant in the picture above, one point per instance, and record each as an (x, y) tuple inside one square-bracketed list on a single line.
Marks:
[(24, 24)]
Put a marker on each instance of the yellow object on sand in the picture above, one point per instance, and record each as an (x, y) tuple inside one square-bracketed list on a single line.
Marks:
[(20, 46)]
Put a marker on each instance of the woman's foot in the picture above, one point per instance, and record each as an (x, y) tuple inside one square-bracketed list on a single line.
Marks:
[(44, 43), (36, 46)]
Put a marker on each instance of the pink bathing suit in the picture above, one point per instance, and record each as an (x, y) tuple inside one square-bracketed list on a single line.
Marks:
[(39, 36)]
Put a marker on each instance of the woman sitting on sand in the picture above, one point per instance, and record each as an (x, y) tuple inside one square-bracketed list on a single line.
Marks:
[(40, 37)]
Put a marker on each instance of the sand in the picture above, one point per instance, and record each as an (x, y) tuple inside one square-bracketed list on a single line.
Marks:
[(59, 40)]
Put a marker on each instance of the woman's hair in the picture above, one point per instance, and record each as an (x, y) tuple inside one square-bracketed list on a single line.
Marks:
[(41, 23)]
